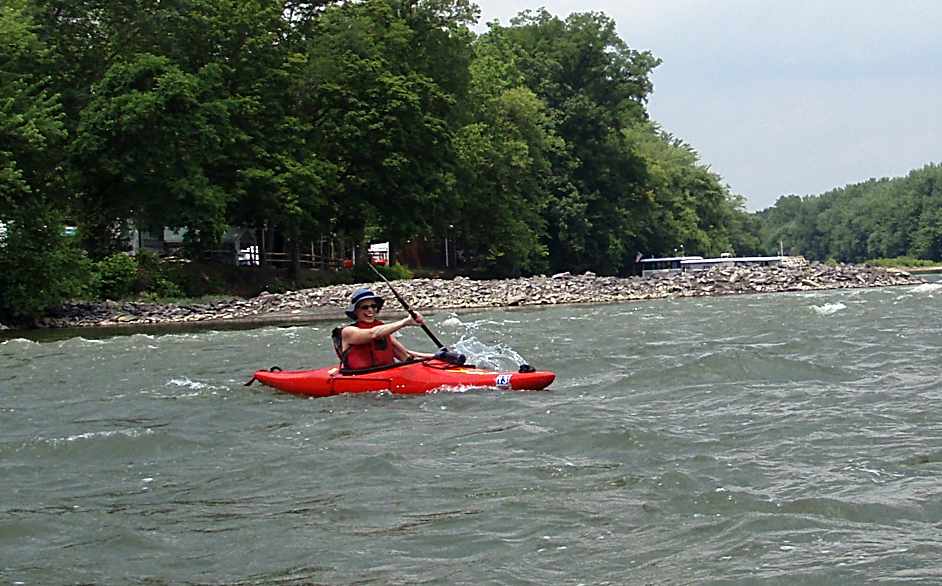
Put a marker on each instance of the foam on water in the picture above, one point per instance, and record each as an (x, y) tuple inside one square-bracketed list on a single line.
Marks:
[(456, 389), (19, 342), (828, 308), (452, 322), (94, 435), (196, 387), (80, 341), (927, 289), (187, 383)]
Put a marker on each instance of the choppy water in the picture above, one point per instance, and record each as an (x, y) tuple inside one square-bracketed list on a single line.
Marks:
[(765, 439)]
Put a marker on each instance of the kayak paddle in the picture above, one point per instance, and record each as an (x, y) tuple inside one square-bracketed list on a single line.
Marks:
[(447, 355)]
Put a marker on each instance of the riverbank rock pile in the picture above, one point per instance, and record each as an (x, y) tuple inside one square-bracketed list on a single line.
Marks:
[(461, 292)]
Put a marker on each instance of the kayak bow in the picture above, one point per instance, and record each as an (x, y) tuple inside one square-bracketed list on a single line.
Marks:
[(404, 378)]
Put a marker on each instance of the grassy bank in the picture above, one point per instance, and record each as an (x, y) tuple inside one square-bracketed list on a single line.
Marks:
[(907, 263)]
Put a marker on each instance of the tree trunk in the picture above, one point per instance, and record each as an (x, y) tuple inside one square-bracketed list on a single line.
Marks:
[(263, 247), (295, 258)]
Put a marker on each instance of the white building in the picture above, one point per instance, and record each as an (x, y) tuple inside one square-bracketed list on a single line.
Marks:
[(673, 265)]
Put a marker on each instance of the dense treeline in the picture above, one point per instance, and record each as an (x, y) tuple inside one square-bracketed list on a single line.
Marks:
[(530, 145), (880, 218)]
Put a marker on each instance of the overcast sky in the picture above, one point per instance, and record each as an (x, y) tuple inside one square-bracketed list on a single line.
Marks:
[(786, 96)]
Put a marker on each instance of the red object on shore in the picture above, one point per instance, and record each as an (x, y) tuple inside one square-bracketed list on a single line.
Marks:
[(407, 378), (347, 263)]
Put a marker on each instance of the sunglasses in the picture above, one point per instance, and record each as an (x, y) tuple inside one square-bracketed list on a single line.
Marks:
[(372, 306)]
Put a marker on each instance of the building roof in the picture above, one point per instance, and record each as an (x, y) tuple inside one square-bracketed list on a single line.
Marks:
[(731, 259), (664, 258)]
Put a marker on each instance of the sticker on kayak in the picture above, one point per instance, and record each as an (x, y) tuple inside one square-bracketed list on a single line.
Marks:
[(503, 381)]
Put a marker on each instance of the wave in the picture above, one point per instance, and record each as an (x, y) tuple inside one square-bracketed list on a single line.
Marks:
[(93, 435), (192, 385), (19, 341), (187, 383), (828, 308), (927, 288)]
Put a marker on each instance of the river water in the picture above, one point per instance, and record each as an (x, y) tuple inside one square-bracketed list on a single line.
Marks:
[(787, 438)]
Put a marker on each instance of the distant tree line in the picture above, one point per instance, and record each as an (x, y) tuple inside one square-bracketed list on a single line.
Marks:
[(879, 218)]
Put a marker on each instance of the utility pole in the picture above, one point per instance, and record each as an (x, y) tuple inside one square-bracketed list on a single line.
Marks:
[(447, 234)]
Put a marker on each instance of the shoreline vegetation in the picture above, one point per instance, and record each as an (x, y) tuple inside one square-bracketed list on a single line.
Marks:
[(462, 294), (291, 135)]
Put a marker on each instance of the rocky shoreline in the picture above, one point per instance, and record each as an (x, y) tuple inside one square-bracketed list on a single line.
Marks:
[(463, 293)]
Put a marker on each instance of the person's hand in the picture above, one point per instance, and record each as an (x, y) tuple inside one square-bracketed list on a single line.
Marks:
[(450, 356), (417, 320)]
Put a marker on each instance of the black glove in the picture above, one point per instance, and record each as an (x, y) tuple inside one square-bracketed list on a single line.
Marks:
[(450, 357)]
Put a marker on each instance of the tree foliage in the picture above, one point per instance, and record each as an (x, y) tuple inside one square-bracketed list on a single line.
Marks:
[(146, 143), (879, 218), (617, 185), (38, 264), (529, 146)]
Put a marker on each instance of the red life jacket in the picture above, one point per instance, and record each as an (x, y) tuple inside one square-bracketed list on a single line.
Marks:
[(379, 352)]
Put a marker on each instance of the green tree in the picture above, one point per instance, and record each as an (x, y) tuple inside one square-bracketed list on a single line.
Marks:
[(689, 207), (144, 145), (504, 162), (383, 111), (595, 87), (875, 218), (38, 265)]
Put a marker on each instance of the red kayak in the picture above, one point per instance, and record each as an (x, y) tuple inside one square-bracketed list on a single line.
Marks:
[(404, 378)]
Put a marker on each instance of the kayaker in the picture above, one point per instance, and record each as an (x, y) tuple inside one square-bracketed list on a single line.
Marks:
[(369, 342)]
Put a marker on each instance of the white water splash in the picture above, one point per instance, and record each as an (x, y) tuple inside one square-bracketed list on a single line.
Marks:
[(19, 341), (80, 342), (452, 322), (92, 435), (927, 289), (452, 389), (106, 434), (496, 357), (828, 308), (187, 384)]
